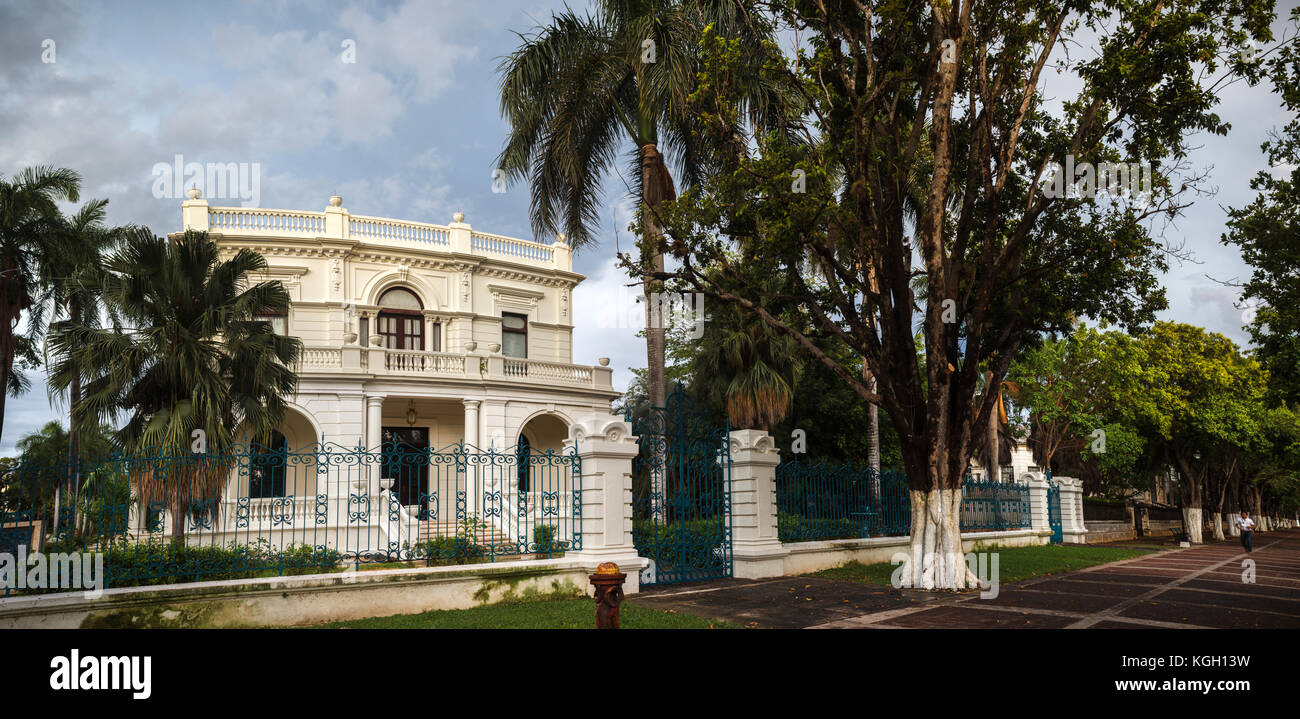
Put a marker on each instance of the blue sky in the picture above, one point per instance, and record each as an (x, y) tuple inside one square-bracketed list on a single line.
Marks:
[(410, 130)]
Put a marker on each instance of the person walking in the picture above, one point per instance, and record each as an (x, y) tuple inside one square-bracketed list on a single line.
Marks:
[(1245, 524)]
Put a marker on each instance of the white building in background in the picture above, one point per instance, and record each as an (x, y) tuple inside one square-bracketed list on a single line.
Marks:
[(422, 334)]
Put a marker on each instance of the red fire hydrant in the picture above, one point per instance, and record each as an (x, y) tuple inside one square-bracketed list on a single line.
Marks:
[(608, 585)]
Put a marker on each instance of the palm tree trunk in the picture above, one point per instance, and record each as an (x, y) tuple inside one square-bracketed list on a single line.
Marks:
[(991, 438), (655, 187), (10, 309), (873, 422)]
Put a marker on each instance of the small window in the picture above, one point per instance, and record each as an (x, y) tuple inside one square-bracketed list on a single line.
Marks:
[(279, 321), (514, 335), (400, 299)]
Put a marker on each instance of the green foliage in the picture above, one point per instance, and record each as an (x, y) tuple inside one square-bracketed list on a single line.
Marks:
[(1014, 563), (668, 540), (31, 230), (900, 156), (132, 564), (191, 355), (545, 613), (1268, 233), (544, 539), (443, 551)]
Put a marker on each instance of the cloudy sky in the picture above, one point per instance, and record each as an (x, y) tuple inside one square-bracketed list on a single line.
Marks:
[(411, 129)]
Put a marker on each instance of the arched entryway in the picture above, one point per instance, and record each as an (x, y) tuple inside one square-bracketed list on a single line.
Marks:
[(538, 435), (401, 320)]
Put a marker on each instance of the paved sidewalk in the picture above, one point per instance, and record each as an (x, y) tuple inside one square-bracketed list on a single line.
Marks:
[(1199, 587)]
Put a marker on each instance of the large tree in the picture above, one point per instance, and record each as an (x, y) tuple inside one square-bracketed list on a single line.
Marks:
[(190, 355), (30, 228), (578, 89), (1268, 233), (1069, 387), (1199, 398), (69, 269), (958, 89)]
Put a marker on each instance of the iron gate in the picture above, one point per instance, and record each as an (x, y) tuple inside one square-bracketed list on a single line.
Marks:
[(1054, 510), (682, 494)]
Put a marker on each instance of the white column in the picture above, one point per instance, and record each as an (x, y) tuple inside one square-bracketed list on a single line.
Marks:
[(374, 435), (606, 447), (756, 550), (1072, 528), (471, 470), (1038, 502)]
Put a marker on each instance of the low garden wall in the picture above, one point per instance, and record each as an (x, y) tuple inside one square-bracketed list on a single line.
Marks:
[(815, 556), (1109, 531), (300, 600)]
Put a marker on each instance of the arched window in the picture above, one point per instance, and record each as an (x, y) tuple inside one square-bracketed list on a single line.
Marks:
[(267, 468), (521, 460), (401, 320)]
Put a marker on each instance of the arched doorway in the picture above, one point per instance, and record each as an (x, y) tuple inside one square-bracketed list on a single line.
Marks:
[(266, 470), (534, 471), (401, 320)]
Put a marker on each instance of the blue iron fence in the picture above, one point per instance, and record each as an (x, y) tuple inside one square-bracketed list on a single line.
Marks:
[(681, 493), (994, 506), (821, 501), (173, 516)]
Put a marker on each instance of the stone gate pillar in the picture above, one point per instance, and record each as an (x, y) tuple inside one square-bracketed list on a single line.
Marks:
[(1073, 530), (1037, 502), (606, 447), (756, 549)]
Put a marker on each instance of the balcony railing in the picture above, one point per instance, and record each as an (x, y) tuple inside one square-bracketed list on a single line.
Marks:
[(415, 363), (538, 370), (337, 223)]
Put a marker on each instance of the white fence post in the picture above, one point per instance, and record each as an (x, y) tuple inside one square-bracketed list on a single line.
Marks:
[(1037, 502), (1072, 529), (756, 549), (606, 448)]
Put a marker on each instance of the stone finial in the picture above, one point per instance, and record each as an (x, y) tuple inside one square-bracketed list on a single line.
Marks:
[(494, 348), (604, 361), (336, 201), (471, 346), (194, 193), (458, 218), (562, 238)]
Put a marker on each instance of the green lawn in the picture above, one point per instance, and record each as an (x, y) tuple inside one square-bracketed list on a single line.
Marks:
[(538, 614), (1014, 563)]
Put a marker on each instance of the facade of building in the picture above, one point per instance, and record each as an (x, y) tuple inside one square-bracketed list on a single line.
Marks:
[(420, 336)]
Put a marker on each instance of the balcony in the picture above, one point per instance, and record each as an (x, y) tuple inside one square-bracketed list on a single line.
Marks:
[(382, 362), (336, 223)]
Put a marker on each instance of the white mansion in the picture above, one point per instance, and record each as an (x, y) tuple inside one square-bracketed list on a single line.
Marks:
[(421, 334), (471, 331)]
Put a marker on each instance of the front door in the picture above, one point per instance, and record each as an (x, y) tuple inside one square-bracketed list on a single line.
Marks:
[(406, 462)]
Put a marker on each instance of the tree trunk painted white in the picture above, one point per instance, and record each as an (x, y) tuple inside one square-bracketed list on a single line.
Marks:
[(936, 560), (1232, 526), (1192, 522), (1215, 520)]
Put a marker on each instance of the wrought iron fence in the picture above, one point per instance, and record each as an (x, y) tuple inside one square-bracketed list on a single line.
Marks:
[(173, 516), (994, 506), (681, 493), (822, 501)]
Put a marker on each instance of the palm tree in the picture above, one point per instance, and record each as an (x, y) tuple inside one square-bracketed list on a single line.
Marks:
[(189, 357), (69, 273), (747, 367), (575, 90), (29, 226)]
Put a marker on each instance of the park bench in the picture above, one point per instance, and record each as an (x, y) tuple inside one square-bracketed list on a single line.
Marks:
[(1180, 534)]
